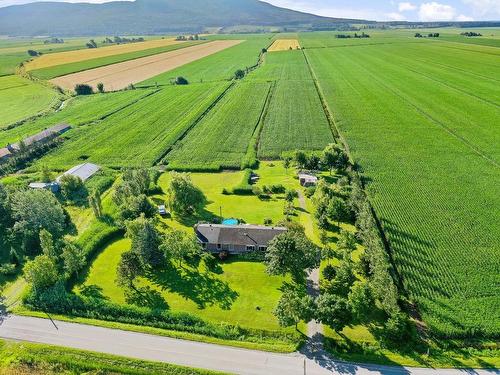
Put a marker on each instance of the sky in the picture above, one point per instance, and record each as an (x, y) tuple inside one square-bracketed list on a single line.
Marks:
[(379, 10)]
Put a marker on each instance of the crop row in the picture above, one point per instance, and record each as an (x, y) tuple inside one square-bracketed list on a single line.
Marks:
[(419, 140), (139, 134), (221, 139), (76, 111)]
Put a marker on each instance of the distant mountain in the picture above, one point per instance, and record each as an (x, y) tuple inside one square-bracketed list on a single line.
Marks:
[(149, 16)]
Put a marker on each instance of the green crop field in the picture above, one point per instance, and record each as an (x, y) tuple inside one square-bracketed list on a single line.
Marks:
[(222, 138), (421, 119), (60, 70), (21, 98), (76, 111), (295, 118), (221, 65), (13, 52), (141, 133)]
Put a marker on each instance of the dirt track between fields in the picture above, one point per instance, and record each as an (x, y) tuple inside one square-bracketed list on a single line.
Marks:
[(119, 76)]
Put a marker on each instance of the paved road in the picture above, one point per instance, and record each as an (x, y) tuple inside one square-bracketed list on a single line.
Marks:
[(189, 353)]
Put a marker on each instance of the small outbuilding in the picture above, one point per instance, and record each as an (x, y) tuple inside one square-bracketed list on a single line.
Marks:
[(4, 154), (236, 239), (307, 180), (83, 171), (51, 186), (44, 136)]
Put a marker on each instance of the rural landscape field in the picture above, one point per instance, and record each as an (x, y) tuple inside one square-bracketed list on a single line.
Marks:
[(369, 154)]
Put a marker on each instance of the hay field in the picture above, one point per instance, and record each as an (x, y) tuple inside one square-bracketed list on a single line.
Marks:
[(54, 59), (284, 45), (118, 76)]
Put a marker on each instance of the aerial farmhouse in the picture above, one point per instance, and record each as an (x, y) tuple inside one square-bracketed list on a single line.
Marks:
[(236, 239)]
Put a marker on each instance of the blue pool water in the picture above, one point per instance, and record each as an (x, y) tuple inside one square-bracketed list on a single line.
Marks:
[(230, 222)]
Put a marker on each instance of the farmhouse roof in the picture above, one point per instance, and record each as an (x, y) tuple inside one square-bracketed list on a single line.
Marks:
[(84, 171), (4, 153), (307, 176), (249, 235), (43, 135)]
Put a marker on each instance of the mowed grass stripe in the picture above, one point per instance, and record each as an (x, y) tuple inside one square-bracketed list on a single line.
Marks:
[(139, 134), (221, 139), (21, 99), (424, 185)]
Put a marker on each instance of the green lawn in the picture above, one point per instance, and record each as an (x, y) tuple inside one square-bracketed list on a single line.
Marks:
[(22, 98), (241, 293)]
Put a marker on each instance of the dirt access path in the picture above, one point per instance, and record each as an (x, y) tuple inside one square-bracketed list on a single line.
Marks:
[(119, 76)]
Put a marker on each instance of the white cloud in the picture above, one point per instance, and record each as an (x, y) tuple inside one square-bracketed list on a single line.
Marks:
[(395, 17), (436, 12), (464, 18), (482, 8), (406, 7)]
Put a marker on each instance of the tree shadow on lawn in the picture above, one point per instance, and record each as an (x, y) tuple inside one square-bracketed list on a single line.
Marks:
[(200, 287), (146, 297), (92, 291)]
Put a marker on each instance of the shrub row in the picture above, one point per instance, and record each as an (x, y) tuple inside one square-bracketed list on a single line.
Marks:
[(57, 301)]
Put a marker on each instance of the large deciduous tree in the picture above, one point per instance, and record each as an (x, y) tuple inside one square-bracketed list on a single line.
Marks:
[(129, 268), (292, 253), (145, 242), (179, 246), (41, 272), (73, 259), (293, 306), (33, 210), (333, 311), (185, 198)]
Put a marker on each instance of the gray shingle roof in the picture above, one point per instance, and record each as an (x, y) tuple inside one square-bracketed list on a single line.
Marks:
[(245, 235)]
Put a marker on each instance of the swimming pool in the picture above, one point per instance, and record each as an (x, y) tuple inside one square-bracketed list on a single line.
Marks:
[(230, 222)]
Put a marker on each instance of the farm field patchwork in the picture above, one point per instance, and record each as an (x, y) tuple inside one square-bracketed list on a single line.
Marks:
[(79, 66), (61, 58), (120, 75), (284, 45), (221, 65), (76, 111), (222, 138), (21, 98), (141, 133), (433, 173), (295, 118)]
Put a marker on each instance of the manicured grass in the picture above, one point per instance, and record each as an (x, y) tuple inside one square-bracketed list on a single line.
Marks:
[(248, 208), (221, 139), (27, 358), (241, 294), (22, 98), (419, 119), (77, 111), (78, 66), (140, 134)]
